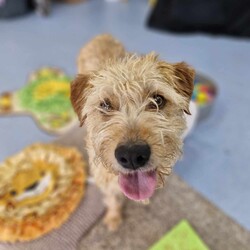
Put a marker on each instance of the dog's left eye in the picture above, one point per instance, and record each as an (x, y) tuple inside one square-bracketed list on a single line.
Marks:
[(159, 100), (106, 105)]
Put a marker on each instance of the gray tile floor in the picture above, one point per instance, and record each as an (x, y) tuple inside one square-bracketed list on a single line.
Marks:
[(217, 155)]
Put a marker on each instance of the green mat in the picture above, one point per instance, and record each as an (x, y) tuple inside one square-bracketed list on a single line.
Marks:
[(181, 237)]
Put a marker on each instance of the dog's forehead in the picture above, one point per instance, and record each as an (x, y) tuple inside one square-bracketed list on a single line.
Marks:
[(136, 74), (129, 72), (133, 78)]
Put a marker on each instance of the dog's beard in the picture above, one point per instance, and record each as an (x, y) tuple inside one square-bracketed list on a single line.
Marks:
[(166, 147), (140, 184), (167, 160)]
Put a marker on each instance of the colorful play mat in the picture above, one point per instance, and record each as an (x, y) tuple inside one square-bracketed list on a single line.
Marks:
[(39, 188), (45, 97)]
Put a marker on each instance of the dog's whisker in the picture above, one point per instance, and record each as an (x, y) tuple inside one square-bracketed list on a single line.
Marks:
[(162, 138)]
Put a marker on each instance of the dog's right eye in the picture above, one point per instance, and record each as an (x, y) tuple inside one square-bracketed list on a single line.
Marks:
[(157, 103), (106, 105)]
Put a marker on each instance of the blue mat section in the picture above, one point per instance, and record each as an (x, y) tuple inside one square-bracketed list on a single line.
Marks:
[(216, 157)]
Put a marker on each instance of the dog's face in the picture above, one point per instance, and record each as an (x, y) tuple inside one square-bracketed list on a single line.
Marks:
[(134, 113)]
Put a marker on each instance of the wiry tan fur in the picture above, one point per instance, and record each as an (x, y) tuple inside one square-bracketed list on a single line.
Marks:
[(129, 82)]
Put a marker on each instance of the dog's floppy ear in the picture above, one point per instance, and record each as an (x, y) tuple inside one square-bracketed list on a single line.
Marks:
[(185, 81), (181, 77), (78, 95)]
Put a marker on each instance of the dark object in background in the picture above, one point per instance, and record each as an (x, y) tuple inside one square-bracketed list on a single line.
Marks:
[(13, 8), (226, 17)]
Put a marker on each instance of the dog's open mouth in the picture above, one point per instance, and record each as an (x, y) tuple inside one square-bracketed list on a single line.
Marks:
[(138, 185)]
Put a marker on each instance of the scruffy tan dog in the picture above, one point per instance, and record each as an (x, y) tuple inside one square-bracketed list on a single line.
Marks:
[(133, 109)]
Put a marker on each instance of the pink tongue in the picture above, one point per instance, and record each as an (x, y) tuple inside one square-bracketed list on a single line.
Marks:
[(138, 185)]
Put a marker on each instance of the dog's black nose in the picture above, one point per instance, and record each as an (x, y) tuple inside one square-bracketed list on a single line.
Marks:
[(132, 156)]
